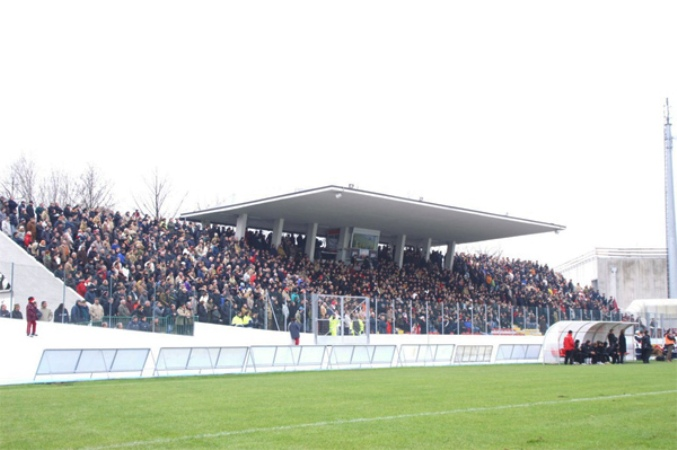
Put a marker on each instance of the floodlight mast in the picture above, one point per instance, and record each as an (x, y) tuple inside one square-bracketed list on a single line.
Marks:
[(671, 231)]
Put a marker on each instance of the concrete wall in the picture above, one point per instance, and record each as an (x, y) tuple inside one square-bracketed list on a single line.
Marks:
[(625, 274), (30, 278), (636, 278), (21, 355)]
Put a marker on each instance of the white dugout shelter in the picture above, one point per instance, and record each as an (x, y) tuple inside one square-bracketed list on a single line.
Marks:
[(583, 330)]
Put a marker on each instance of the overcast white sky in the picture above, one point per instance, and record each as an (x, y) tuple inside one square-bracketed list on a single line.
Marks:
[(551, 111)]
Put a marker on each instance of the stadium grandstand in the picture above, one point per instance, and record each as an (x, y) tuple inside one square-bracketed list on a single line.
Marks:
[(153, 267), (172, 273)]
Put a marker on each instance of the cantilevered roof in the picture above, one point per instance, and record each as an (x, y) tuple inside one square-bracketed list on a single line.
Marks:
[(334, 207)]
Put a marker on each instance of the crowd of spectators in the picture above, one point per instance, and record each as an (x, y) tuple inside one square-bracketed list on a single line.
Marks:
[(133, 265)]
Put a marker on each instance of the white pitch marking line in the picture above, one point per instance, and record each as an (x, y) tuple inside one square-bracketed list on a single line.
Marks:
[(368, 419)]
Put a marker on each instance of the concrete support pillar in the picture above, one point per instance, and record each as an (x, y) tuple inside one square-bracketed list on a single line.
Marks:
[(399, 249), (426, 249), (277, 232), (449, 258), (241, 227), (343, 244), (311, 235), (613, 283)]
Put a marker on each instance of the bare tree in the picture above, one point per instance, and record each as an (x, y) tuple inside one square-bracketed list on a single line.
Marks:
[(58, 187), (20, 181), (93, 190), (155, 201), (10, 183)]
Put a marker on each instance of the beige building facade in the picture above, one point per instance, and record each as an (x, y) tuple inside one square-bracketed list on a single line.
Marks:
[(626, 274)]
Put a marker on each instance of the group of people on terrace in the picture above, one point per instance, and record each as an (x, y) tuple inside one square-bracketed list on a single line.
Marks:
[(132, 264)]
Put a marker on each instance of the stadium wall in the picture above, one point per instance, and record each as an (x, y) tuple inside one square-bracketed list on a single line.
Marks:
[(21, 355)]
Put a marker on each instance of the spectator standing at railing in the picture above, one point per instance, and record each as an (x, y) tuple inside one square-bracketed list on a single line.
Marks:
[(184, 319), (134, 323), (47, 315), (123, 309), (80, 313), (16, 312), (96, 311), (171, 315), (4, 312), (109, 306), (144, 324), (61, 315)]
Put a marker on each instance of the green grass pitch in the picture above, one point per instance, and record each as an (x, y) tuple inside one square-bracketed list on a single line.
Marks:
[(629, 406)]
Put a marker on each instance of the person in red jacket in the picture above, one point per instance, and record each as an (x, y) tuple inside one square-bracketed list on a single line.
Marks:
[(569, 346), (31, 317)]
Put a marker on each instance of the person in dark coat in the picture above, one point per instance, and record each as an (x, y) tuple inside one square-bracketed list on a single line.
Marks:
[(622, 347), (61, 315), (612, 340), (16, 312), (646, 347), (294, 330)]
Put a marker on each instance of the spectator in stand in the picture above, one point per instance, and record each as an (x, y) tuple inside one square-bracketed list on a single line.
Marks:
[(123, 310), (16, 312), (134, 323), (171, 318), (184, 319), (157, 326), (238, 320), (80, 313), (144, 325), (95, 311), (4, 312), (61, 314), (28, 239), (47, 315)]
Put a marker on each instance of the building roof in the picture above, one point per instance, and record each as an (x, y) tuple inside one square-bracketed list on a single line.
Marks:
[(333, 207)]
